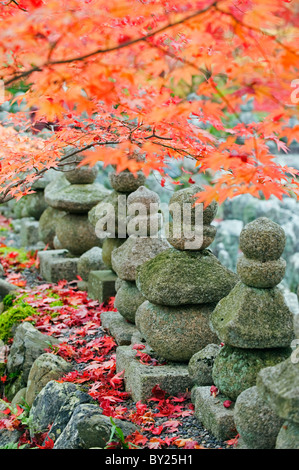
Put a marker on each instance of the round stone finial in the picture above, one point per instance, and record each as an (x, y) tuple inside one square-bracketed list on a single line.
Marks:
[(125, 181), (262, 240), (81, 174)]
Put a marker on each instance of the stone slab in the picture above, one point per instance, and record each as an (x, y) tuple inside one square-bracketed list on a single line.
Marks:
[(56, 265), (140, 379), (118, 327), (101, 285), (209, 410)]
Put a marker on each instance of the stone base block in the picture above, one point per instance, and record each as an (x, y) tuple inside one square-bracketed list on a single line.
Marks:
[(140, 379), (209, 410), (101, 285), (118, 327), (56, 265)]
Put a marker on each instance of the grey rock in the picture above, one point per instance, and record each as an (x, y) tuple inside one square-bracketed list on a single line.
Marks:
[(127, 300), (201, 365), (91, 260), (256, 422), (143, 196), (45, 368), (89, 428), (202, 237), (263, 240), (47, 225), (262, 275), (236, 369), (75, 198), (112, 208), (20, 397), (125, 181), (279, 387), (82, 175), (288, 437), (57, 264), (27, 346), (36, 204), (6, 288), (8, 437), (253, 318), (184, 277), (175, 333), (76, 234), (133, 253), (121, 330), (187, 196), (47, 404), (66, 411)]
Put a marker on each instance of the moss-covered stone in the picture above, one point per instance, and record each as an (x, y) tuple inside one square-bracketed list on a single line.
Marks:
[(262, 275), (256, 422), (76, 198), (236, 369), (262, 239), (279, 387), (201, 365), (202, 237), (253, 318), (184, 277), (175, 333), (125, 181), (82, 175), (12, 316), (127, 300), (134, 252)]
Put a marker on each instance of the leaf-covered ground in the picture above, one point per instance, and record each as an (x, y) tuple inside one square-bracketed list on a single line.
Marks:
[(62, 311)]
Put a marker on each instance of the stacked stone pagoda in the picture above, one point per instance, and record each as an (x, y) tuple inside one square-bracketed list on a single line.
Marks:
[(29, 210), (75, 194), (182, 287), (145, 244), (65, 223), (253, 321), (101, 283)]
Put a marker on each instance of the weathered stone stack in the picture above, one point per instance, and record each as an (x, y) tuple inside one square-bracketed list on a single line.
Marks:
[(137, 249), (253, 321), (101, 284), (29, 210), (182, 287), (65, 223), (75, 194)]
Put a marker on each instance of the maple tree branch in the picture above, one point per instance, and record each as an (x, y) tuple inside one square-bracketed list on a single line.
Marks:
[(113, 48), (203, 72), (258, 30)]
